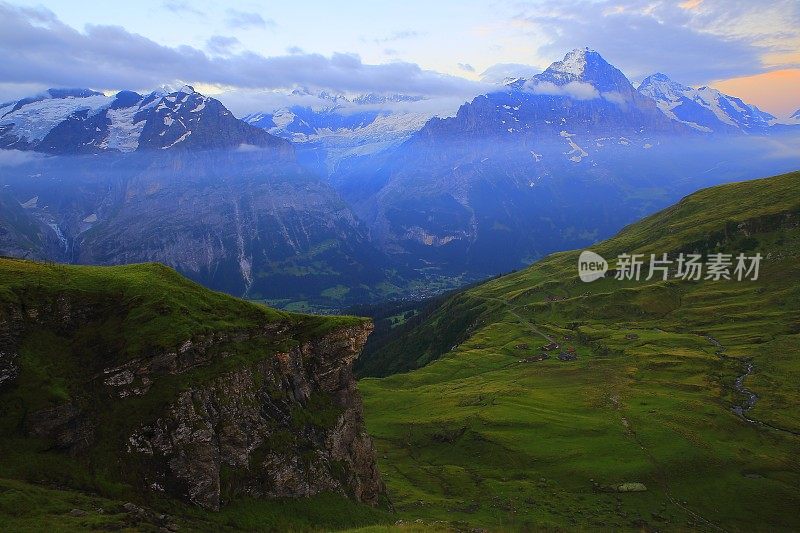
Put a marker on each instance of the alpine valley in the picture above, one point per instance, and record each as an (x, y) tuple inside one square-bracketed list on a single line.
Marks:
[(356, 311)]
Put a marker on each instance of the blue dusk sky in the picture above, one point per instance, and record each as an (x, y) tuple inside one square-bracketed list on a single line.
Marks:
[(442, 48)]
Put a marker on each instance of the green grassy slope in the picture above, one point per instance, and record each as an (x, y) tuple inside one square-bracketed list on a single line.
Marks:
[(119, 313), (480, 438), (27, 507)]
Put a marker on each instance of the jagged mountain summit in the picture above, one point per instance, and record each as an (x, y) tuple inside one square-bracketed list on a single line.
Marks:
[(704, 109), (71, 121), (582, 92), (585, 66)]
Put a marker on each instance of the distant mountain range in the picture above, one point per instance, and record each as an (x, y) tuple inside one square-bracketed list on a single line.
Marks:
[(80, 121), (361, 197), (558, 160), (704, 109), (69, 121), (343, 127)]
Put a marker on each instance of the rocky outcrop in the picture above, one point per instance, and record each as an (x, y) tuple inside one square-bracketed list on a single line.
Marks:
[(267, 411), (289, 426)]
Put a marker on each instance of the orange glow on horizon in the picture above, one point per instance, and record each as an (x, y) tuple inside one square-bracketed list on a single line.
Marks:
[(777, 92), (691, 4)]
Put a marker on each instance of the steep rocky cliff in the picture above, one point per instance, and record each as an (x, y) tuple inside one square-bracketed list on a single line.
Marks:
[(136, 375)]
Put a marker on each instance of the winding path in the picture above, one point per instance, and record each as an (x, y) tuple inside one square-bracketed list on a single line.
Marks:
[(527, 323)]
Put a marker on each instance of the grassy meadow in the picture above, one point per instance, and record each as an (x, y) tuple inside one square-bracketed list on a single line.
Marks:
[(482, 438)]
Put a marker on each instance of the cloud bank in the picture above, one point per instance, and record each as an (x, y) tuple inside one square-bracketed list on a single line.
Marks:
[(576, 90), (694, 42), (14, 158), (38, 48)]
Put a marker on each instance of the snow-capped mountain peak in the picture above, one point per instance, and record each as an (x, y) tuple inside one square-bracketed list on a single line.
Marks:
[(659, 85), (705, 108), (343, 125), (573, 64), (30, 120), (586, 66), (85, 121)]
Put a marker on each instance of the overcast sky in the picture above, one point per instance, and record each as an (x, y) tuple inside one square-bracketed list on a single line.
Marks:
[(444, 48)]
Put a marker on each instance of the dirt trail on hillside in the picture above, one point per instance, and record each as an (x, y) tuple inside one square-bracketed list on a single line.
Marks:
[(527, 323)]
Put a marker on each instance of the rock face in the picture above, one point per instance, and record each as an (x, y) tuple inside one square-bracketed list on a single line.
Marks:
[(23, 235), (264, 410), (239, 425)]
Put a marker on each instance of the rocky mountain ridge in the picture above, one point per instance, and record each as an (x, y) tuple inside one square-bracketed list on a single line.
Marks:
[(704, 109), (81, 121)]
